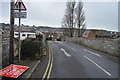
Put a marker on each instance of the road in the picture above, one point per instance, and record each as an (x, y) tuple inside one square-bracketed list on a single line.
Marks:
[(70, 60)]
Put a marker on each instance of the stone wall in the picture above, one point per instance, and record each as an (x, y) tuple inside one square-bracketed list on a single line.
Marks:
[(5, 47), (0, 49), (5, 39), (105, 45)]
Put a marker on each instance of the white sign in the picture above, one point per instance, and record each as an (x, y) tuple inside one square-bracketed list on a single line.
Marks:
[(20, 15)]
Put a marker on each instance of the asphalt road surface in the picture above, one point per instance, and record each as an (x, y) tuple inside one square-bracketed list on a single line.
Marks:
[(70, 60)]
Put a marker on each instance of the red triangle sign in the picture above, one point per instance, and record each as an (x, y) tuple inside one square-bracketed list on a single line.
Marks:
[(19, 5)]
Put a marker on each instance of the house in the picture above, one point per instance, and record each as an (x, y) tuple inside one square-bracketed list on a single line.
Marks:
[(91, 33), (53, 35), (24, 35), (101, 34)]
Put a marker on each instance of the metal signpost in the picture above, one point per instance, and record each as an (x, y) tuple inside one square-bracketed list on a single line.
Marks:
[(19, 6)]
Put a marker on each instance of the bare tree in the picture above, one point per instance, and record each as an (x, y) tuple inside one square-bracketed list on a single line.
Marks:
[(65, 26), (69, 18), (82, 30), (80, 18)]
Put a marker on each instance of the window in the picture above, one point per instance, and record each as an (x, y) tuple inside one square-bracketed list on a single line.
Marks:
[(16, 34), (23, 35)]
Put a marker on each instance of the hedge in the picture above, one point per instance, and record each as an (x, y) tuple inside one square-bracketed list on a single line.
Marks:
[(31, 49)]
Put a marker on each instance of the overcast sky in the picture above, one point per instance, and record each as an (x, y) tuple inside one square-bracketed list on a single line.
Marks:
[(99, 15)]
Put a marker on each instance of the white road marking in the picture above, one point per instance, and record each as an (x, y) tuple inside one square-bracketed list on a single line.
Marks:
[(112, 47), (74, 49), (68, 55), (92, 52), (50, 42), (109, 45), (98, 66)]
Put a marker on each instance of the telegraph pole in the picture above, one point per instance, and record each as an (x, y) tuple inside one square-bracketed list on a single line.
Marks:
[(19, 43), (11, 48)]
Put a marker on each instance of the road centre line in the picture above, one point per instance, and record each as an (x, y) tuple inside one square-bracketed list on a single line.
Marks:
[(74, 49), (68, 55), (92, 53), (98, 66)]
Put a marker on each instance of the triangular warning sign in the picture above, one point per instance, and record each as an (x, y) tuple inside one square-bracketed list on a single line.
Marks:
[(19, 5)]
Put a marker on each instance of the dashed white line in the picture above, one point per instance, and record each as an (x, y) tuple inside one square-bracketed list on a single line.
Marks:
[(109, 45), (92, 52), (50, 42), (74, 49), (98, 66), (68, 55), (112, 48)]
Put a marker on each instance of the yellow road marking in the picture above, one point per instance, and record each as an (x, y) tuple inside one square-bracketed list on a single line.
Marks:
[(47, 67), (50, 65)]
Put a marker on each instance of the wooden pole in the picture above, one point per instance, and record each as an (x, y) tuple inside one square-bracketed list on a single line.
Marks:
[(11, 48)]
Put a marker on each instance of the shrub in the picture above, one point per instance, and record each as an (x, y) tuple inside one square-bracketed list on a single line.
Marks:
[(30, 48)]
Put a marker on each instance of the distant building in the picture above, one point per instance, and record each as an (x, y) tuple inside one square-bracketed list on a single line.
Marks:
[(23, 28), (94, 33), (53, 35), (25, 35), (91, 33)]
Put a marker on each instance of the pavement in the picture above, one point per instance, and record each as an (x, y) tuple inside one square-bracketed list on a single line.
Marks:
[(41, 69), (32, 64)]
